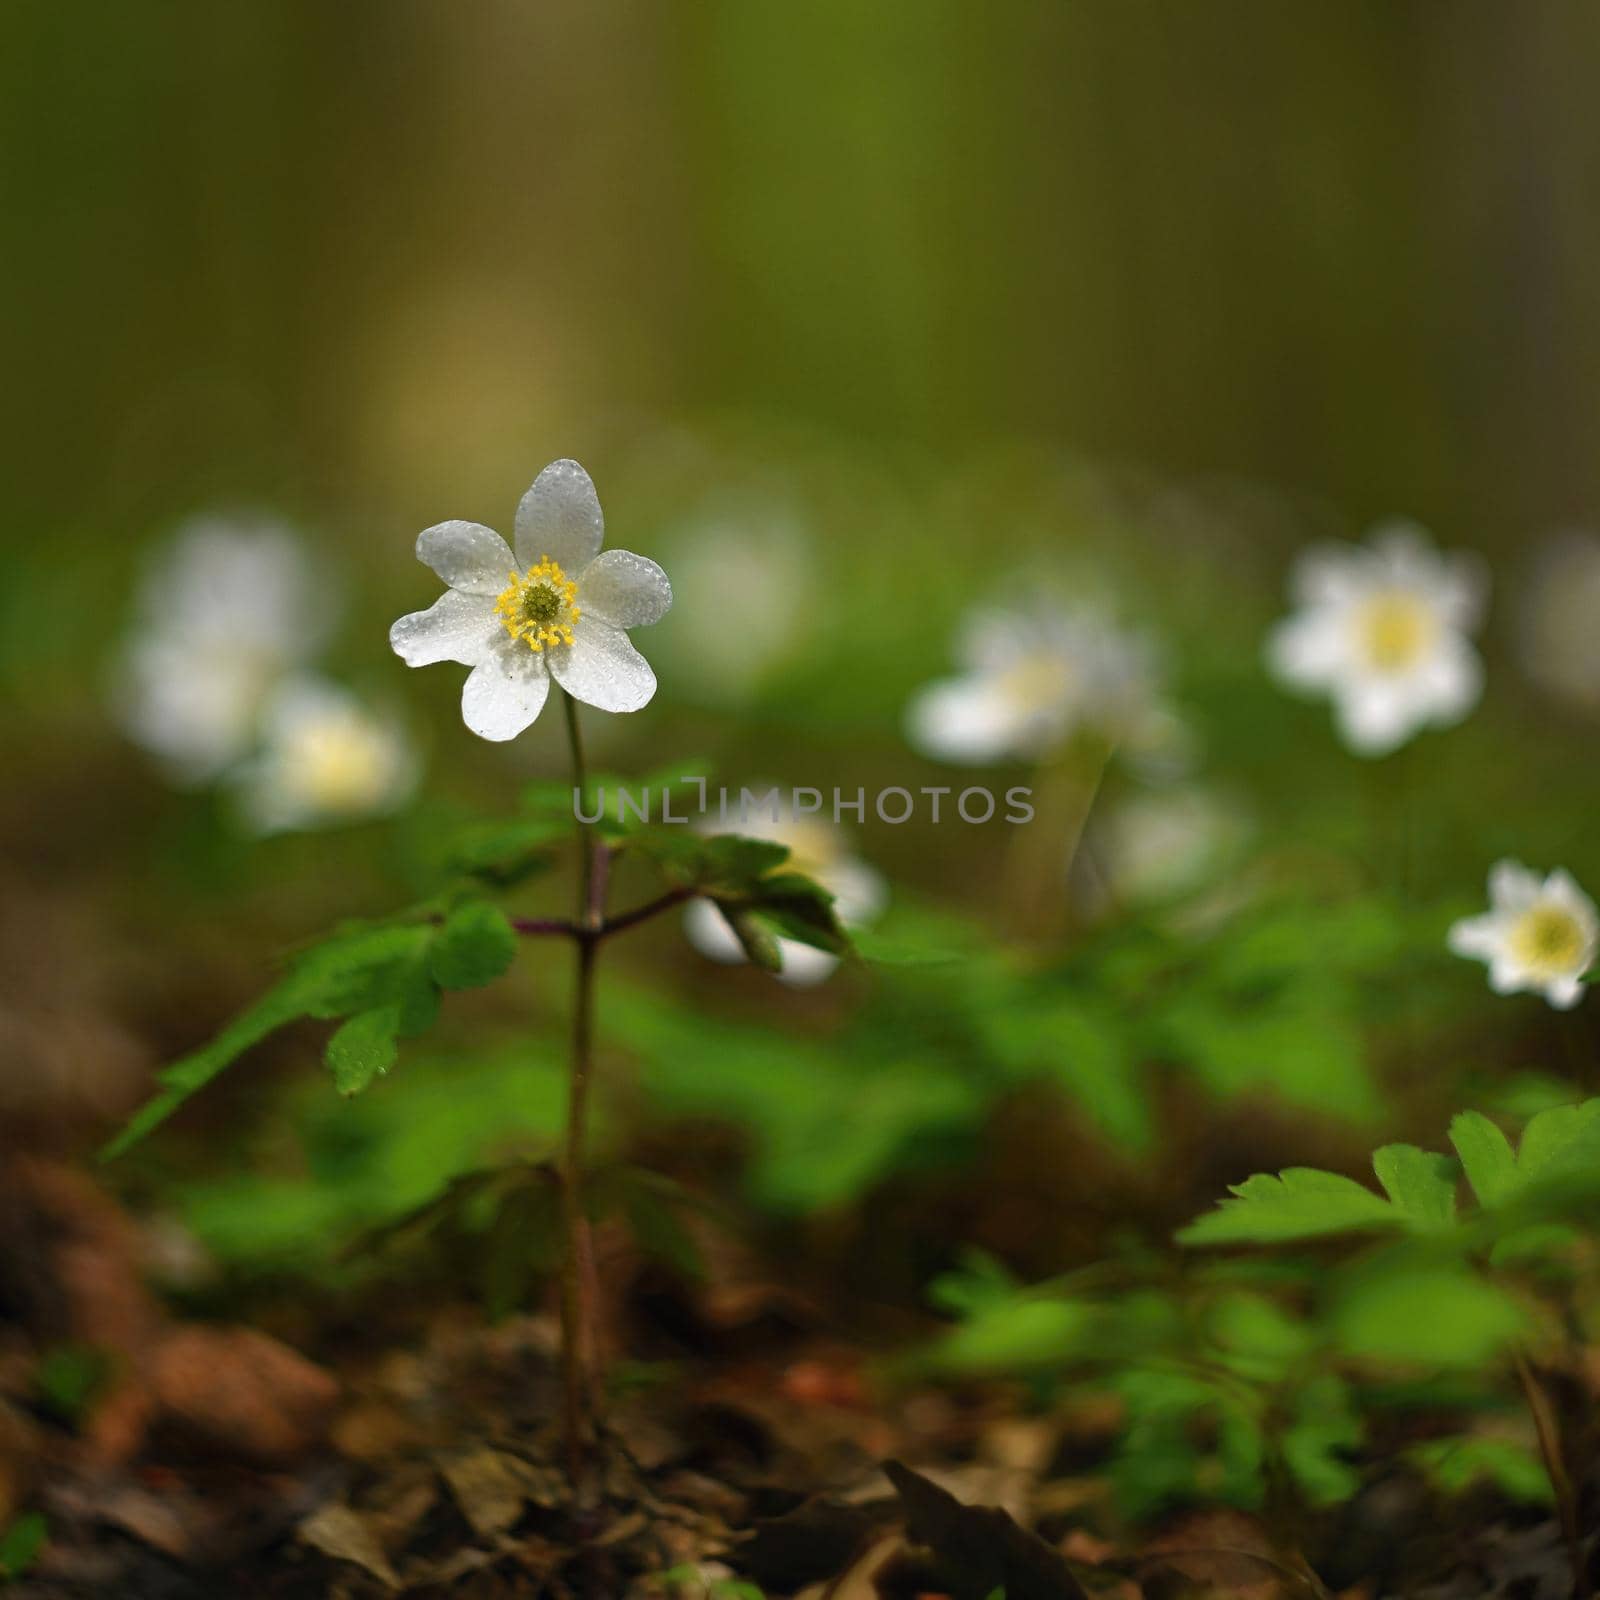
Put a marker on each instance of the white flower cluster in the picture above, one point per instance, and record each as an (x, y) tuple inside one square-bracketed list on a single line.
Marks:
[(216, 681)]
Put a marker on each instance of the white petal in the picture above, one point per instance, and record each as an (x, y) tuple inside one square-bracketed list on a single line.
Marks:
[(601, 668), (1376, 715), (1512, 887), (1479, 938), (1329, 574), (1309, 649), (1507, 975), (1564, 993), (560, 517), (467, 555), (859, 892), (625, 590), (963, 719), (1562, 888), (803, 964), (504, 692), (708, 931), (1450, 680), (456, 627)]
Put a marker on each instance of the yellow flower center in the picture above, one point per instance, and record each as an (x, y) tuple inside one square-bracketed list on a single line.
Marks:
[(1395, 628), (1548, 940), (538, 607), (1036, 682), (340, 766)]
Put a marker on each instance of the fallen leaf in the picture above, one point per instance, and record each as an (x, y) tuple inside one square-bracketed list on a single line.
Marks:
[(983, 1547), (345, 1535)]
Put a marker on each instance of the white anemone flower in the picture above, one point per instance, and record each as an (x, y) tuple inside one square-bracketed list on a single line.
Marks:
[(557, 609), (1031, 678), (1539, 934), (325, 758), (817, 850), (224, 611), (1383, 630)]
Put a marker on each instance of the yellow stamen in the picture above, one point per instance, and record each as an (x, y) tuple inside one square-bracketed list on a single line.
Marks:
[(1396, 628), (1547, 940), (539, 607)]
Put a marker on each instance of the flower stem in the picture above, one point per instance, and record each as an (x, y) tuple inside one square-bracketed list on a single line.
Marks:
[(578, 1278), (1548, 1431)]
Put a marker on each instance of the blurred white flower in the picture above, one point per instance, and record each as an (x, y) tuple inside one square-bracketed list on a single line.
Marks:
[(1560, 639), (1162, 844), (563, 616), (222, 613), (1538, 935), (1031, 677), (817, 850), (1383, 630), (325, 758), (753, 571)]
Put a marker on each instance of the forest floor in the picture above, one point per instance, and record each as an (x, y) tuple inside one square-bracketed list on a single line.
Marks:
[(401, 1444)]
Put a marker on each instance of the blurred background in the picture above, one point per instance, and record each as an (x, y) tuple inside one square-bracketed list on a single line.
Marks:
[(856, 314)]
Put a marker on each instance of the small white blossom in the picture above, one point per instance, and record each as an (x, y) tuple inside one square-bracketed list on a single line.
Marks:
[(325, 758), (1538, 935), (222, 614), (1163, 844), (1032, 677), (1383, 630), (816, 849), (557, 609)]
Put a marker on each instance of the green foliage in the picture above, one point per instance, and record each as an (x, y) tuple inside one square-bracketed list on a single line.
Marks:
[(382, 980), (1462, 1461), (21, 1544), (69, 1378), (476, 945)]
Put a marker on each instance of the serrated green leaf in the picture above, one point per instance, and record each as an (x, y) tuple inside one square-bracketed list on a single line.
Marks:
[(363, 1048), (1486, 1157), (476, 945), (1420, 1183), (1300, 1203), (1559, 1140), (358, 968), (280, 1005)]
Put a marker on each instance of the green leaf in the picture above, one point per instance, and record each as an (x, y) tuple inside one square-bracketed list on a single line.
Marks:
[(1560, 1140), (1323, 1430), (758, 942), (524, 1243), (799, 909), (507, 853), (1427, 1314), (1420, 1184), (717, 863), (1486, 1156), (476, 945), (21, 1543), (363, 968), (1463, 1461), (1300, 1203), (363, 1048), (193, 1072)]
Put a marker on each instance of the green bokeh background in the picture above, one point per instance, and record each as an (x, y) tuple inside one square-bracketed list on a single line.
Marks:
[(1157, 291)]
